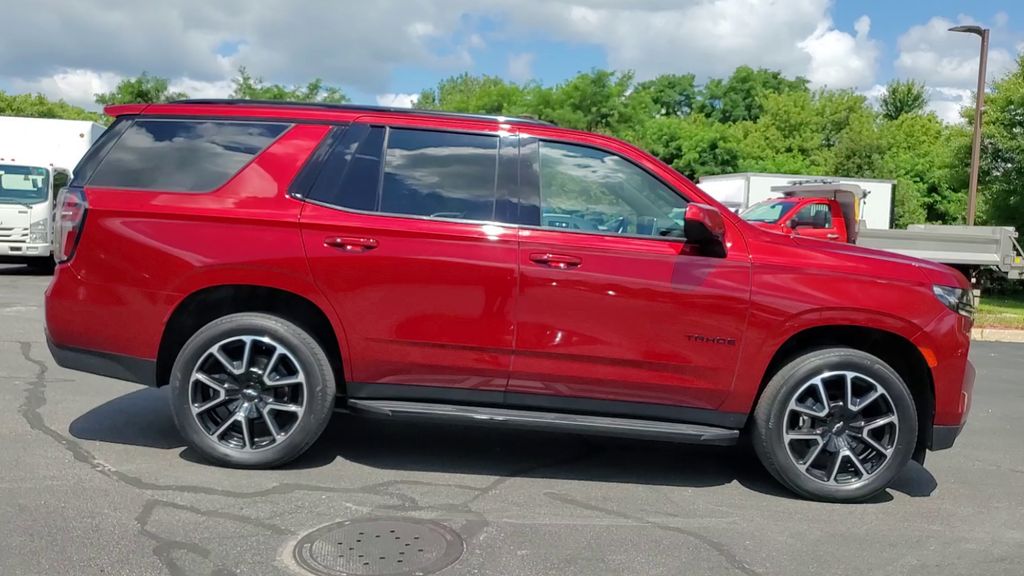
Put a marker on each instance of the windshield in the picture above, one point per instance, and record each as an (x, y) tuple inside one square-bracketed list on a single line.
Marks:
[(769, 211), (23, 184)]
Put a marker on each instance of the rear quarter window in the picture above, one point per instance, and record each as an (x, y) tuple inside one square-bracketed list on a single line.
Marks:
[(182, 155)]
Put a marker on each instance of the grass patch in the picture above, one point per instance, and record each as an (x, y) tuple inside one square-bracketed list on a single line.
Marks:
[(1001, 312)]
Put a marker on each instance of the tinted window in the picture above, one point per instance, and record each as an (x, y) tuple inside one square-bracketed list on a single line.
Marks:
[(182, 156), (350, 175), (591, 190), (440, 174), (87, 165)]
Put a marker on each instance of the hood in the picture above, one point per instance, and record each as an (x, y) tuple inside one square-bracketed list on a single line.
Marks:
[(850, 259), (933, 272)]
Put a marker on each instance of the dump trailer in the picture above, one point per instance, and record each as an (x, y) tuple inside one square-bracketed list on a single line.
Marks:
[(965, 247)]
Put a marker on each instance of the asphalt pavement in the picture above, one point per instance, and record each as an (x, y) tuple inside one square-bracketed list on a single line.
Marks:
[(94, 479)]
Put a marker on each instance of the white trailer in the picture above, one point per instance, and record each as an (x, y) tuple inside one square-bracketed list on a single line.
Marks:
[(738, 191), (37, 156)]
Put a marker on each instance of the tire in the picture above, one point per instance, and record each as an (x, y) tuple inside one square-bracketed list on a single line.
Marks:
[(273, 419), (847, 462)]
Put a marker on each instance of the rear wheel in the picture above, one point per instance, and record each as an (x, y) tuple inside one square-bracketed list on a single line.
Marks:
[(835, 424), (251, 390)]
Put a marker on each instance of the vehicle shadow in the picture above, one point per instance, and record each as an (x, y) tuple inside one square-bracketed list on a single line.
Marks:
[(140, 418), (143, 418), (21, 270)]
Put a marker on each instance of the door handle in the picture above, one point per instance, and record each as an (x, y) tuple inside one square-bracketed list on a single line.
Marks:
[(351, 243), (832, 236), (559, 261)]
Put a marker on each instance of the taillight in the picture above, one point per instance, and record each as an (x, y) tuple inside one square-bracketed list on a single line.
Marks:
[(69, 219)]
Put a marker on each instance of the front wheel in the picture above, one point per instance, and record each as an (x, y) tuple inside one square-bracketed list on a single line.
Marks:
[(836, 425), (251, 391)]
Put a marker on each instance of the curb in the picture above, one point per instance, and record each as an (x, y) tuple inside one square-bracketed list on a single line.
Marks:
[(997, 335)]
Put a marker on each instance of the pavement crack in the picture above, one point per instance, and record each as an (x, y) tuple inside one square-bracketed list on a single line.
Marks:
[(719, 548), (165, 547)]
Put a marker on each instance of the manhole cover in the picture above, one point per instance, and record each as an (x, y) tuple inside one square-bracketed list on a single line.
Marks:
[(379, 547)]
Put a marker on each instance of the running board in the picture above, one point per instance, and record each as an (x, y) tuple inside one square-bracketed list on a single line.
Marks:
[(551, 421)]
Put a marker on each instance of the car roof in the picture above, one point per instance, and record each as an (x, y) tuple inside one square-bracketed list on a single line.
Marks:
[(298, 109)]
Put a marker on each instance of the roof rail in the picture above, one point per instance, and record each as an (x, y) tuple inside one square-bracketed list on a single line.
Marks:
[(362, 108)]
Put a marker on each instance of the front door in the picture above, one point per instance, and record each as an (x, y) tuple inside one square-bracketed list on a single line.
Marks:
[(814, 220), (611, 305), (400, 235)]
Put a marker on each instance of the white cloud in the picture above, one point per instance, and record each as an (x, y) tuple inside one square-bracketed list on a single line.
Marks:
[(397, 100), (343, 42), (708, 37), (947, 62), (520, 67), (77, 87), (347, 44), (202, 88), (931, 53), (947, 102), (841, 60)]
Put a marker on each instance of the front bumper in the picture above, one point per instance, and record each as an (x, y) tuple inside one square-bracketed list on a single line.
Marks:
[(24, 250), (945, 434), (943, 437)]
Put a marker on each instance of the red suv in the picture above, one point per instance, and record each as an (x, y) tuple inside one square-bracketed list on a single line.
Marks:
[(274, 262)]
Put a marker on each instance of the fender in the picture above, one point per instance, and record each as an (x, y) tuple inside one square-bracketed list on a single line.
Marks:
[(766, 336)]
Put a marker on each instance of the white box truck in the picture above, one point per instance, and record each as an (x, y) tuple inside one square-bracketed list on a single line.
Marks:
[(739, 191), (37, 156)]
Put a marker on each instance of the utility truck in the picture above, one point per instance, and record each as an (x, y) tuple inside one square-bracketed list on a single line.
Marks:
[(37, 156)]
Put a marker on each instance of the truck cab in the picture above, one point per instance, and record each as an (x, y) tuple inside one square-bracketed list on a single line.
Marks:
[(826, 211), (28, 192), (810, 217)]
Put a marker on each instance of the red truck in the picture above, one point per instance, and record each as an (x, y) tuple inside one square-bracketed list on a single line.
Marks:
[(825, 212), (272, 263)]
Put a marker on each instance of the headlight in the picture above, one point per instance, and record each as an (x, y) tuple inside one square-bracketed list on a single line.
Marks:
[(956, 299), (38, 232)]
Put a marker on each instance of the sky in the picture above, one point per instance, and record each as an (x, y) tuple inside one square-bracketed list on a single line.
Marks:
[(386, 51)]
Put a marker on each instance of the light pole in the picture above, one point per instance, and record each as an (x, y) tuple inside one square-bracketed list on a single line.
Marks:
[(972, 193)]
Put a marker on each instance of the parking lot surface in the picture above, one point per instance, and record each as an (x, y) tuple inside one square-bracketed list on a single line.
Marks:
[(94, 479)]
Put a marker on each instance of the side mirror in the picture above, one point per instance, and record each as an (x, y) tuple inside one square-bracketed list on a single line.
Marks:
[(704, 227), (793, 223)]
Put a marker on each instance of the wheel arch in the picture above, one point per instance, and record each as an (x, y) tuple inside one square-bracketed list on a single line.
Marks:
[(893, 348), (206, 304)]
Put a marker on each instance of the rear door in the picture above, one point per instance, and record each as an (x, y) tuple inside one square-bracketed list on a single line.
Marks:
[(613, 306), (402, 234)]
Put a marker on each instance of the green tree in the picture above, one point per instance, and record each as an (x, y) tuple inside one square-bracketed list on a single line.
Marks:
[(919, 156), (1002, 152), (669, 94), (693, 145), (740, 97), (39, 106), (596, 101), (475, 95), (903, 97), (249, 87), (787, 138), (143, 89)]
